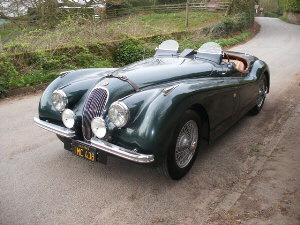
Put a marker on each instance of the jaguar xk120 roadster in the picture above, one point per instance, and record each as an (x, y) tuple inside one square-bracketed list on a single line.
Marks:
[(156, 111)]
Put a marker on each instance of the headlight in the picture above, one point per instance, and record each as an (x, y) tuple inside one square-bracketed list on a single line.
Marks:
[(68, 118), (98, 127), (118, 114), (59, 100)]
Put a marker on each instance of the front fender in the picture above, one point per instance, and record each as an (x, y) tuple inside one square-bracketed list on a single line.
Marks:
[(154, 117), (75, 84)]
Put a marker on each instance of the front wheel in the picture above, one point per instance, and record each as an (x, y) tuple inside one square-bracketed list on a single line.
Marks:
[(184, 146), (262, 93)]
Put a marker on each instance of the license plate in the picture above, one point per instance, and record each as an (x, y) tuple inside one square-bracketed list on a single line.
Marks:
[(84, 151)]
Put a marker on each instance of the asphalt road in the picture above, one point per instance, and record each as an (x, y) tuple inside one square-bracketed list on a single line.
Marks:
[(41, 183)]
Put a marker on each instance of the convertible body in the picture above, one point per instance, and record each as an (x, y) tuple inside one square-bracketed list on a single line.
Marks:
[(156, 92)]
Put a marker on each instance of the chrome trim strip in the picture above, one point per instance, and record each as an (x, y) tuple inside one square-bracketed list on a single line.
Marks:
[(121, 152), (62, 131)]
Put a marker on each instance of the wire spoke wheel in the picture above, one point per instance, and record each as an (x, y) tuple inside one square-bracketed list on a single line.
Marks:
[(186, 143), (262, 92)]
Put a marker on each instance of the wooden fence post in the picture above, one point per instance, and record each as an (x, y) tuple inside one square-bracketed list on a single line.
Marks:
[(187, 13)]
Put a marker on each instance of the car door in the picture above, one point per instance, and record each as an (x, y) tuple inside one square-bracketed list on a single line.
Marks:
[(224, 101), (248, 92), (246, 88)]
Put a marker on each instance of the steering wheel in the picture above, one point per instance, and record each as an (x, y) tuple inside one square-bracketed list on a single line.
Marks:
[(225, 54)]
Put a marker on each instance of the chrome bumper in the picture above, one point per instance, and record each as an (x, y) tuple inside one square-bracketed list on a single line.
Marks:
[(97, 143), (62, 131), (121, 152)]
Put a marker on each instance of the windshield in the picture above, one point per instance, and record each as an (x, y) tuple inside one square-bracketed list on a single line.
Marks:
[(210, 48), (210, 51), (169, 45)]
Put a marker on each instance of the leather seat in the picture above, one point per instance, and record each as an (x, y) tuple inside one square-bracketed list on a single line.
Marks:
[(242, 63), (239, 65)]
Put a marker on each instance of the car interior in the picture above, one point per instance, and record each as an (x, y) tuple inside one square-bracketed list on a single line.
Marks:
[(241, 63), (208, 51)]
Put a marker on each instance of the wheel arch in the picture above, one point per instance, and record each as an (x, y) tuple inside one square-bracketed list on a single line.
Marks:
[(201, 111), (267, 74)]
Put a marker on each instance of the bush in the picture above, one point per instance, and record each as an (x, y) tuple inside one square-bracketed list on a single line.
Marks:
[(129, 51), (35, 77), (16, 47), (45, 61), (231, 24), (7, 73), (290, 5)]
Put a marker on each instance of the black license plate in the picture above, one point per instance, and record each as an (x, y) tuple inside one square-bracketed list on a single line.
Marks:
[(88, 152)]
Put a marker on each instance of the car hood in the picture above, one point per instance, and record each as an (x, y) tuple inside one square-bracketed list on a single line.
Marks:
[(163, 70)]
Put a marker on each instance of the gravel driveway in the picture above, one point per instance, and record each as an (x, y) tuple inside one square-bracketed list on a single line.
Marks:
[(41, 183)]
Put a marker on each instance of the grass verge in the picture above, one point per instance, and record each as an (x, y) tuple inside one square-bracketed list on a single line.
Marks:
[(80, 32)]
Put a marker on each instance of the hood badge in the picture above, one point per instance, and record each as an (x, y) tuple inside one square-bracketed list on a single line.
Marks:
[(169, 89), (105, 83)]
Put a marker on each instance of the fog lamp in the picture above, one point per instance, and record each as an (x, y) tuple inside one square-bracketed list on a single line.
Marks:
[(68, 118), (98, 127)]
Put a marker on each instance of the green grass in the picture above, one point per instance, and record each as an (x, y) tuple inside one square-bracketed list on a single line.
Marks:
[(176, 21), (82, 32), (234, 40), (194, 42), (283, 18)]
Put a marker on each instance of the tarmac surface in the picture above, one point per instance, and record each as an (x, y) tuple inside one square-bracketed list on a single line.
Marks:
[(250, 175)]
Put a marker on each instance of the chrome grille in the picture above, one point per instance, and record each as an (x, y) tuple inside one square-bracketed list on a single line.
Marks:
[(94, 107)]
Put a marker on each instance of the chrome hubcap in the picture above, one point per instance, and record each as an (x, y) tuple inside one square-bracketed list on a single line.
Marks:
[(186, 144), (262, 92)]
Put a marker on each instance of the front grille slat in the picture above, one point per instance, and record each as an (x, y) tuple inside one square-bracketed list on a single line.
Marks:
[(94, 107)]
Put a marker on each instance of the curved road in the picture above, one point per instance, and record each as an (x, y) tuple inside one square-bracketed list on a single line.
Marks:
[(40, 183)]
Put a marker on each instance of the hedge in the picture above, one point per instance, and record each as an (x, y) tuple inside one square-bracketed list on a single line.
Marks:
[(290, 5)]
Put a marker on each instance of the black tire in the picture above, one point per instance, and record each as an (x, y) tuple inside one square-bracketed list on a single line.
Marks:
[(261, 100), (170, 167)]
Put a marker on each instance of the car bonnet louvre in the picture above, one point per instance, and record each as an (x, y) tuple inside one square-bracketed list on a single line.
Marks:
[(94, 107)]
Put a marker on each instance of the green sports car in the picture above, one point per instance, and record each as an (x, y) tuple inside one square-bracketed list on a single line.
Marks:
[(157, 111)]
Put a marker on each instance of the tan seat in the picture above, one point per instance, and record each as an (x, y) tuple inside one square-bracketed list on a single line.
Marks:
[(241, 63)]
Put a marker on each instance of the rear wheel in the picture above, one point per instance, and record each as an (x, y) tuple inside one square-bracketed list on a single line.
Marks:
[(262, 93), (184, 146)]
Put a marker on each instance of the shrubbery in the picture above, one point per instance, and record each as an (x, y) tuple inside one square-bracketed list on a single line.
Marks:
[(40, 67), (290, 5), (7, 74), (231, 24), (129, 51)]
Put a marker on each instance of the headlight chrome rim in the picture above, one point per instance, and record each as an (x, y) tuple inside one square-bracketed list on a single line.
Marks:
[(98, 127), (68, 118), (115, 115), (59, 100)]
